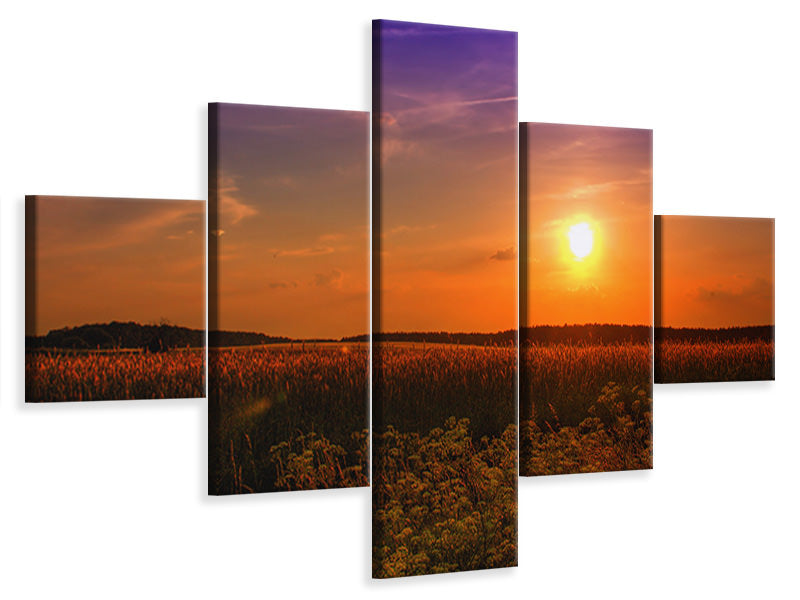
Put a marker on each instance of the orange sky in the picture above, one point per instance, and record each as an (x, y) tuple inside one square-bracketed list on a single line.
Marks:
[(601, 176), (448, 159), (716, 271), (118, 259), (293, 233)]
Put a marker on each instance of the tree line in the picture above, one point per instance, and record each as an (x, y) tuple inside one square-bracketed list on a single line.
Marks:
[(119, 335), (162, 337)]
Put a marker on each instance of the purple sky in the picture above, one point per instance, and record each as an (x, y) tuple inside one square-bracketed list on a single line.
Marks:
[(448, 116)]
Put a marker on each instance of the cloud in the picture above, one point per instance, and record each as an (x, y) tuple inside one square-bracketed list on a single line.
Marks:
[(586, 292), (333, 279), (405, 30), (394, 147), (281, 285), (439, 108), (423, 124), (285, 181), (387, 119), (181, 236), (233, 210), (74, 226), (757, 289), (353, 169), (401, 229), (507, 254), (331, 237), (604, 187), (317, 251)]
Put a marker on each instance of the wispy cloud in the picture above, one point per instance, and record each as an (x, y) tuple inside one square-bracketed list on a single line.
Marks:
[(755, 290), (431, 123), (401, 29), (331, 237), (403, 229), (317, 251), (282, 285), (284, 181), (394, 147), (586, 292), (332, 279), (233, 209), (180, 236), (76, 226), (444, 108), (603, 187), (507, 254)]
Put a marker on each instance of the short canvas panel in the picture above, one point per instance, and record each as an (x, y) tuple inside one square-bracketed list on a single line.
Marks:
[(586, 299), (715, 299), (444, 304), (114, 299), (288, 299)]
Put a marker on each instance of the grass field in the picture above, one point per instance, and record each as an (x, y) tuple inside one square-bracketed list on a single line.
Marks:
[(585, 408), (64, 376), (696, 361), (288, 417), (444, 478)]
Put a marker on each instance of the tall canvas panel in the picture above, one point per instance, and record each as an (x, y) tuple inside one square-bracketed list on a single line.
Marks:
[(288, 299), (586, 299), (114, 298), (444, 304), (715, 299)]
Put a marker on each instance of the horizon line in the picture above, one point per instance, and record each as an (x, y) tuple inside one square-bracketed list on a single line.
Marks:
[(397, 332)]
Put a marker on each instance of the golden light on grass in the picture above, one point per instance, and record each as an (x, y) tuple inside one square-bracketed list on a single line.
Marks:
[(581, 240)]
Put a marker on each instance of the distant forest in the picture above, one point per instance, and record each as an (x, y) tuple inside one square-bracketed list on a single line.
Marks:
[(108, 336), (155, 338), (539, 335)]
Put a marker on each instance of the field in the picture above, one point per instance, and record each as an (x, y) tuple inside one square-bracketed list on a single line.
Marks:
[(695, 361), (585, 408), (288, 417), (64, 376), (444, 478)]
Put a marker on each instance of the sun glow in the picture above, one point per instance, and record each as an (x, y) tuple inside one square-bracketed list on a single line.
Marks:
[(581, 240)]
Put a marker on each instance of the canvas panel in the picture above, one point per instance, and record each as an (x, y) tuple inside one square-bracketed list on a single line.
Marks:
[(288, 281), (715, 299), (586, 299), (115, 298), (444, 299)]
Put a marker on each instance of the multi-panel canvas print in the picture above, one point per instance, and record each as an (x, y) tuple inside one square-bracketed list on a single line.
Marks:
[(288, 299), (114, 299), (586, 247), (714, 299), (444, 305)]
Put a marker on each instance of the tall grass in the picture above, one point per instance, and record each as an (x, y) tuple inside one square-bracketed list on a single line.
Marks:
[(65, 377), (585, 408), (285, 418), (417, 388), (695, 361)]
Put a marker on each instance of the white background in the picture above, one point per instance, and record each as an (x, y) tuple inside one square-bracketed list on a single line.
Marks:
[(109, 99)]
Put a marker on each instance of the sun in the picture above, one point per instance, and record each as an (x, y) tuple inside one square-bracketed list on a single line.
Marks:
[(581, 240)]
